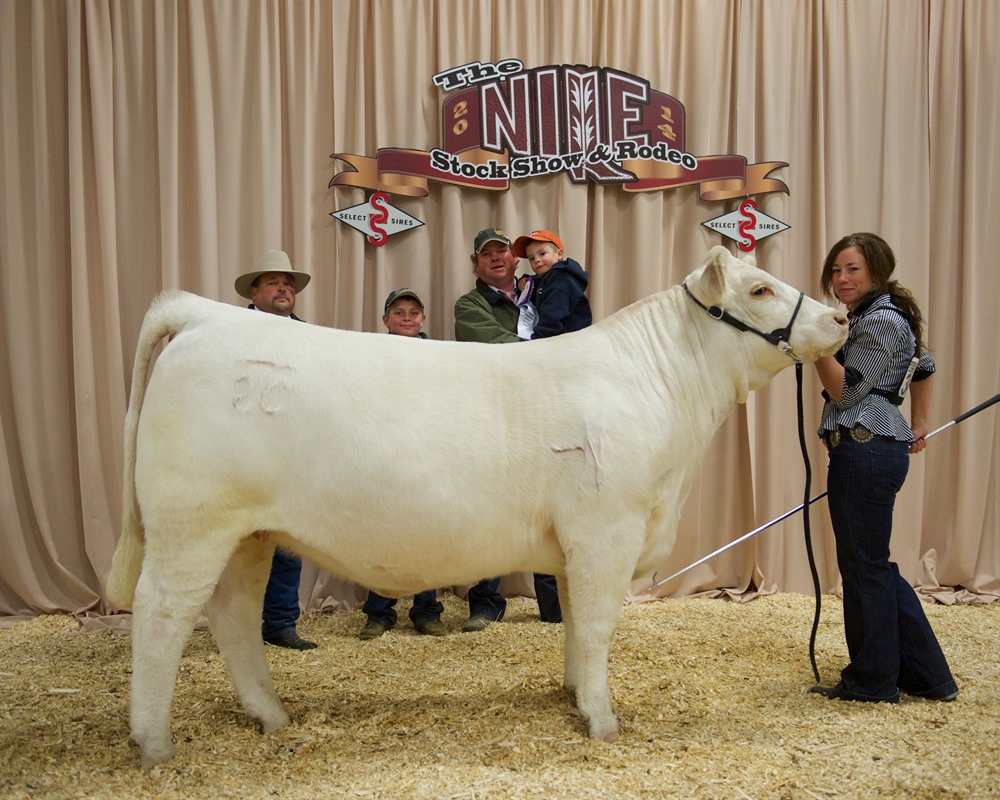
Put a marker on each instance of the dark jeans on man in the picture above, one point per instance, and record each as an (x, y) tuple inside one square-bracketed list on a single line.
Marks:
[(889, 639), (426, 607), (486, 601), (548, 598), (281, 598)]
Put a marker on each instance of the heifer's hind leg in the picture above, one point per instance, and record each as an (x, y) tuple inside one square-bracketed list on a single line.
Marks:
[(234, 617), (172, 590)]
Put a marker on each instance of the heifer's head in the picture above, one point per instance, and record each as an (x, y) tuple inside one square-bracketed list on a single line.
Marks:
[(782, 324)]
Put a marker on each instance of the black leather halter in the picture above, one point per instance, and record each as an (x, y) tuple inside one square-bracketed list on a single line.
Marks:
[(778, 337)]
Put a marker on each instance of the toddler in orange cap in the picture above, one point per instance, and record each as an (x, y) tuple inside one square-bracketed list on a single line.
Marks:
[(560, 285)]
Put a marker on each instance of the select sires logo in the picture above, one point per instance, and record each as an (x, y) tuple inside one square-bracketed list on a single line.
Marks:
[(747, 225), (378, 219)]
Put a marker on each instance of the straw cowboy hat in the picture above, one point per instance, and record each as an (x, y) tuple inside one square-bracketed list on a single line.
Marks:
[(273, 261)]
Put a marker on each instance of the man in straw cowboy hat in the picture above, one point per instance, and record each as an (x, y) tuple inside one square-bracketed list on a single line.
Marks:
[(271, 287)]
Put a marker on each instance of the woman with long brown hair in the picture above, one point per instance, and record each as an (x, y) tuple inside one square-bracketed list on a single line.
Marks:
[(890, 642)]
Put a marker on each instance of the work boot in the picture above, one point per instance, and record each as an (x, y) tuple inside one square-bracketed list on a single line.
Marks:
[(290, 639), (373, 630), (432, 627), (477, 623)]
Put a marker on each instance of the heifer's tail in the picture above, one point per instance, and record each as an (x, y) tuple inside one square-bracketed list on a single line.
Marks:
[(165, 317)]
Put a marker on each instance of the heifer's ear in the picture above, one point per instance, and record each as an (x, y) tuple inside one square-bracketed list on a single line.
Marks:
[(712, 283)]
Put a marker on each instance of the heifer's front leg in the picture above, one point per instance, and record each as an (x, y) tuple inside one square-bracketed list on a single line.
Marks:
[(596, 590), (571, 659), (234, 618)]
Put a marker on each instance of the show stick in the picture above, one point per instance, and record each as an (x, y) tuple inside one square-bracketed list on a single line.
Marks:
[(971, 412)]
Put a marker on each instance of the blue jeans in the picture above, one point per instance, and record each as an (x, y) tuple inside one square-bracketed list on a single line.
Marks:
[(281, 598), (486, 601), (548, 598), (889, 639), (426, 607)]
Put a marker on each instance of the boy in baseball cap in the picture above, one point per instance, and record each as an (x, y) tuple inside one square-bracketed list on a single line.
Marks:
[(559, 286), (404, 313), (404, 316)]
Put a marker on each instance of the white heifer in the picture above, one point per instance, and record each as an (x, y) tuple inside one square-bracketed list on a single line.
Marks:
[(404, 465)]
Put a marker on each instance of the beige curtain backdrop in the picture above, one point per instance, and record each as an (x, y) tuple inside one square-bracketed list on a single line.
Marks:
[(151, 144)]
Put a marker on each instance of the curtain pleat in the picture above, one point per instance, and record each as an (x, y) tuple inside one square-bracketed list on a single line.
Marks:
[(169, 144)]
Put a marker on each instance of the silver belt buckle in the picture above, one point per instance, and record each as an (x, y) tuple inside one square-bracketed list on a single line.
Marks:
[(861, 434)]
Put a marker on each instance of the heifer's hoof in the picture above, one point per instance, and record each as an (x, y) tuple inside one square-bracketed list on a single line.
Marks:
[(604, 733), (152, 754), (272, 724), (149, 756)]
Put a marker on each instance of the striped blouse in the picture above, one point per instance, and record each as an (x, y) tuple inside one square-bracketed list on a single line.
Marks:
[(879, 346)]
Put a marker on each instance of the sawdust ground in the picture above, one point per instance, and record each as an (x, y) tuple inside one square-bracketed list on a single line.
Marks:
[(711, 695)]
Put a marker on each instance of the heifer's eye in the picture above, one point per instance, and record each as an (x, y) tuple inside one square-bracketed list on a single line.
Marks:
[(761, 291)]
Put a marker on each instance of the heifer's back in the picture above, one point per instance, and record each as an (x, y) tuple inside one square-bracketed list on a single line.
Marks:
[(405, 464)]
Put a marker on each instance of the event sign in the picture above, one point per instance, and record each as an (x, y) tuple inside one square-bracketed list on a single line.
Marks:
[(502, 123)]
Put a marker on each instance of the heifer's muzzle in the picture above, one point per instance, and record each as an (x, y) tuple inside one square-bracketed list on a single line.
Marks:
[(779, 337)]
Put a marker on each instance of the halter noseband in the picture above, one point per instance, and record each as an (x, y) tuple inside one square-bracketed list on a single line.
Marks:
[(778, 337)]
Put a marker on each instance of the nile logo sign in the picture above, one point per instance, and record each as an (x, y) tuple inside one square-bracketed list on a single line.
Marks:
[(501, 123)]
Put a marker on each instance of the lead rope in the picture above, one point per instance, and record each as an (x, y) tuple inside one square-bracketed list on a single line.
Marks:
[(805, 522)]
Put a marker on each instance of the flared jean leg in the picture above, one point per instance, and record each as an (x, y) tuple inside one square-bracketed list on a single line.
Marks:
[(862, 484), (923, 668)]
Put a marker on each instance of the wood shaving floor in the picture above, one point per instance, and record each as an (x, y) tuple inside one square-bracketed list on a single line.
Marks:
[(711, 696)]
